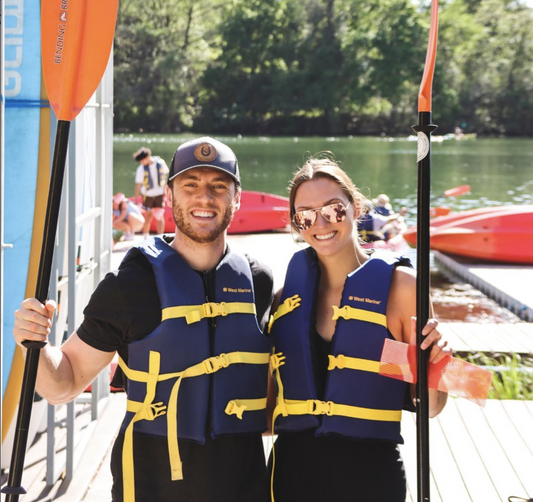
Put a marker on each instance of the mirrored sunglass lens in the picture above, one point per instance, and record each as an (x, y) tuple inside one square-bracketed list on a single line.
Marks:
[(334, 212), (305, 219)]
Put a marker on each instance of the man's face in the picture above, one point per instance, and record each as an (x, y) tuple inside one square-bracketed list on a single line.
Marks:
[(203, 203)]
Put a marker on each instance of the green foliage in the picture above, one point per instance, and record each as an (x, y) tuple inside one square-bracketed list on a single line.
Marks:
[(321, 66), (161, 50), (513, 376)]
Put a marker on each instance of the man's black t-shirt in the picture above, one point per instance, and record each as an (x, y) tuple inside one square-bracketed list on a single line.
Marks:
[(126, 307)]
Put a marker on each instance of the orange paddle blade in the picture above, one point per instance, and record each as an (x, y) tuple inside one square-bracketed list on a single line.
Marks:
[(455, 192), (451, 375), (424, 95), (76, 40)]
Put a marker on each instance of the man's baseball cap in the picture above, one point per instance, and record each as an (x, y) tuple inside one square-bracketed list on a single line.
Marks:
[(204, 152)]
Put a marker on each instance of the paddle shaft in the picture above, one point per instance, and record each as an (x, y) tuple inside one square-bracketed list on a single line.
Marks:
[(424, 130), (14, 488)]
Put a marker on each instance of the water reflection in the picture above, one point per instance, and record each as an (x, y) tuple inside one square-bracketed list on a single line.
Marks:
[(458, 301)]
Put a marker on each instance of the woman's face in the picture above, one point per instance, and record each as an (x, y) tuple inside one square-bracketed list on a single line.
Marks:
[(326, 237)]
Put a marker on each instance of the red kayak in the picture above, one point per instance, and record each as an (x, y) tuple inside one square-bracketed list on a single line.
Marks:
[(259, 212), (501, 234)]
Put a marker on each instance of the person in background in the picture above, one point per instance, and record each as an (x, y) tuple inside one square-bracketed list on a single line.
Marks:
[(337, 419), (127, 216), (150, 180), (186, 315), (378, 221)]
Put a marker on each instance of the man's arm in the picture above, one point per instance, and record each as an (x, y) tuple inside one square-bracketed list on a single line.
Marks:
[(137, 192), (139, 180), (66, 371)]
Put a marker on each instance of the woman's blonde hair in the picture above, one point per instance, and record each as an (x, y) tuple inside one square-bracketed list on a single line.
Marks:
[(324, 165)]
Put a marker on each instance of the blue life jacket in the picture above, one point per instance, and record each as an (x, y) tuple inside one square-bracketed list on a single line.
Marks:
[(161, 175), (358, 402), (183, 381), (365, 228), (385, 211)]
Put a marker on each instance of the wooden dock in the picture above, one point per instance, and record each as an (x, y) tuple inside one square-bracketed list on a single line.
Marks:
[(490, 339), (509, 285), (477, 454)]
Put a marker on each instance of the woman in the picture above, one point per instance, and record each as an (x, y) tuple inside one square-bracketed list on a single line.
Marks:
[(126, 216), (337, 419)]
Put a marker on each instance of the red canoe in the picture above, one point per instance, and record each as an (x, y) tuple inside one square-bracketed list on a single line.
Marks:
[(501, 234), (259, 212)]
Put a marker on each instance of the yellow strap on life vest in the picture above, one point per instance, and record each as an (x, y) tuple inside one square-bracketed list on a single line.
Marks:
[(147, 410), (348, 312), (353, 363), (277, 360), (195, 313), (316, 407), (287, 306), (141, 414), (286, 407), (239, 406)]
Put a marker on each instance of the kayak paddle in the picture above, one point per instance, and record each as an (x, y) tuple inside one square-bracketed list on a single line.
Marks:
[(76, 40), (451, 192), (424, 130), (455, 192)]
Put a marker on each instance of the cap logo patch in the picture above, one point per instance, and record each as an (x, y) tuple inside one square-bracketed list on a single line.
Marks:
[(205, 152)]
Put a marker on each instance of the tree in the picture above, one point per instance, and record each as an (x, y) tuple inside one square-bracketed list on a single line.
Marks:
[(161, 49)]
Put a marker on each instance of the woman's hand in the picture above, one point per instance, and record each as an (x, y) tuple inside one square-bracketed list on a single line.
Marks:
[(432, 339)]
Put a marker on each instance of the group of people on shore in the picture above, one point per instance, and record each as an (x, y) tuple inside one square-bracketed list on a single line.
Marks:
[(211, 357), (150, 182)]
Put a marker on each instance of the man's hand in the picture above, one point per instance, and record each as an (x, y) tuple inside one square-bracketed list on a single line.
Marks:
[(33, 321)]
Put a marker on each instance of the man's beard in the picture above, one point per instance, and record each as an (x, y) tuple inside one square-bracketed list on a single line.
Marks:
[(205, 236)]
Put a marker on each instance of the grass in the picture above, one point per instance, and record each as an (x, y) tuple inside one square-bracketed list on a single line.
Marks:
[(513, 375)]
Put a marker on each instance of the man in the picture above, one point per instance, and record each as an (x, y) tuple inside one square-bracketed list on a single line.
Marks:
[(184, 313), (150, 183)]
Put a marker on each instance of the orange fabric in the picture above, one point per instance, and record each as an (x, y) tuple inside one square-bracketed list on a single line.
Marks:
[(451, 375)]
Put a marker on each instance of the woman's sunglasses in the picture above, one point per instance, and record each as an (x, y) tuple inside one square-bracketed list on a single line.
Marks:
[(335, 213)]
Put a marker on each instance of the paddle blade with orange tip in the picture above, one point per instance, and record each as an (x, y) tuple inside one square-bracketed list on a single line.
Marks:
[(424, 95), (76, 40), (77, 37)]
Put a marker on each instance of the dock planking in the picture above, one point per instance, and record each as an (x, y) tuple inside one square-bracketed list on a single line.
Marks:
[(477, 454), (490, 339)]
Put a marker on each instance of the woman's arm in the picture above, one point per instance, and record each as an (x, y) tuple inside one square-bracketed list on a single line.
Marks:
[(401, 321)]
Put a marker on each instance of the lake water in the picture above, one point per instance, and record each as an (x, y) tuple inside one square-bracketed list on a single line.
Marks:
[(499, 170)]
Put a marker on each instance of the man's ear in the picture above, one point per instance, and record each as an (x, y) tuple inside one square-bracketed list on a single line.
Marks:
[(169, 194), (237, 199)]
